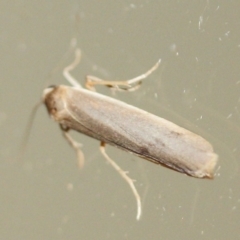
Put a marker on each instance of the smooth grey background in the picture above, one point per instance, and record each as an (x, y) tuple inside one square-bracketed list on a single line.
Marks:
[(45, 196)]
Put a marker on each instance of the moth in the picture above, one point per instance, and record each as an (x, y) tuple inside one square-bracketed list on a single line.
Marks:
[(126, 127)]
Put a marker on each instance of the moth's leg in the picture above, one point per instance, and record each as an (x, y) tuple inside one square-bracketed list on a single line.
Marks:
[(127, 85), (74, 144), (125, 177), (70, 67)]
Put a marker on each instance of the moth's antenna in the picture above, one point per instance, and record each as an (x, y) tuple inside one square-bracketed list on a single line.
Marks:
[(28, 130)]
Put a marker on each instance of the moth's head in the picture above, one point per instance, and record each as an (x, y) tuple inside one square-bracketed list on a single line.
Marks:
[(53, 98)]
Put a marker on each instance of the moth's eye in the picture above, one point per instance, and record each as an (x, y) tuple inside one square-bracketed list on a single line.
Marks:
[(53, 110), (52, 86)]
